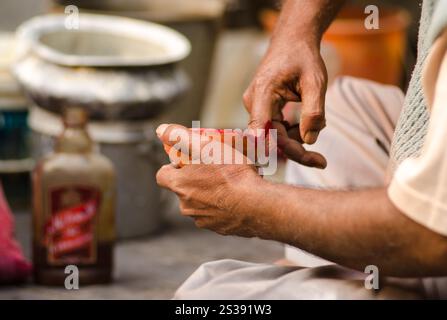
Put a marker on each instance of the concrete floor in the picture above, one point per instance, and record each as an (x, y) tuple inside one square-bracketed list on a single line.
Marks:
[(152, 268)]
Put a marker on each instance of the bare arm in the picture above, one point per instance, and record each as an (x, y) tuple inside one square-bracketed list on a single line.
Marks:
[(352, 228)]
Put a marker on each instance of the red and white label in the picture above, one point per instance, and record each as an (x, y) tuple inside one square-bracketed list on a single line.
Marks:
[(70, 230)]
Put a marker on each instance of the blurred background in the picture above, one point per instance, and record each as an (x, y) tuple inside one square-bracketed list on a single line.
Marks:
[(157, 249)]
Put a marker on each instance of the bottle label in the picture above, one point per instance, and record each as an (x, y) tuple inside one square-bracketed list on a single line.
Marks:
[(69, 233)]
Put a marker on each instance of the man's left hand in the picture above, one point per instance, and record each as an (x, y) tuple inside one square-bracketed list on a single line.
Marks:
[(211, 194)]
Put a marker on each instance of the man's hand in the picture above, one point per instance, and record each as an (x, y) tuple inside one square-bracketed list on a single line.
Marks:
[(293, 71), (289, 72), (210, 194)]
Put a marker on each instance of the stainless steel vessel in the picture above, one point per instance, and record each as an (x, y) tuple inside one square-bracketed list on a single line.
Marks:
[(124, 72), (116, 68)]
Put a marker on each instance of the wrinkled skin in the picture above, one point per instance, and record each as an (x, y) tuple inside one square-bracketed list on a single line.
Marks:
[(284, 76), (208, 193), (292, 69)]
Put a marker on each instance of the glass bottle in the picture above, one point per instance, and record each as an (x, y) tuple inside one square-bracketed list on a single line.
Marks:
[(73, 208)]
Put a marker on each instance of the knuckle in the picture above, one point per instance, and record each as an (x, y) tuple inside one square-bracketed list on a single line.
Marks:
[(223, 231), (259, 81), (160, 176), (200, 223), (175, 186), (256, 123), (266, 83), (314, 116), (316, 79), (187, 196), (246, 98), (183, 209)]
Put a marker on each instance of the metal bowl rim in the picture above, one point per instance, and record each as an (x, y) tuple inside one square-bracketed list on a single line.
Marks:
[(29, 33)]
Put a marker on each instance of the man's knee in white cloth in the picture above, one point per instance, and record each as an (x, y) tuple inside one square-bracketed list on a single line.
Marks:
[(232, 279)]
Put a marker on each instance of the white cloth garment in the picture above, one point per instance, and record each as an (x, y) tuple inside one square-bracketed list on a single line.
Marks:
[(419, 186), (232, 279)]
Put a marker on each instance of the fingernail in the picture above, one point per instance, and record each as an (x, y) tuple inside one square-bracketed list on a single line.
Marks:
[(161, 129), (311, 137)]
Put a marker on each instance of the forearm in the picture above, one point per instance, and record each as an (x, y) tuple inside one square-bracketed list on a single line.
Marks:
[(305, 20), (352, 228)]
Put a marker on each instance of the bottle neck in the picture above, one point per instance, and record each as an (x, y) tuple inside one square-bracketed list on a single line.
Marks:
[(74, 139)]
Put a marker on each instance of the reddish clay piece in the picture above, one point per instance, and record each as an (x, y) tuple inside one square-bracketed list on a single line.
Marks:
[(222, 133)]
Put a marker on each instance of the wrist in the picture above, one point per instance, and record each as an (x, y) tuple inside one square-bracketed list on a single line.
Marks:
[(307, 34), (257, 205), (306, 21), (242, 189)]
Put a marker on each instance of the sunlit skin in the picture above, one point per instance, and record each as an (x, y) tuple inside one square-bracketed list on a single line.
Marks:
[(352, 228)]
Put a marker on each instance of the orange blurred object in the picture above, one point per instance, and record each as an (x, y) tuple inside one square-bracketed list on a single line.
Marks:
[(375, 54)]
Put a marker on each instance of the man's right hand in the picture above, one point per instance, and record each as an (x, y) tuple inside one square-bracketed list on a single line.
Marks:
[(293, 71), (289, 72)]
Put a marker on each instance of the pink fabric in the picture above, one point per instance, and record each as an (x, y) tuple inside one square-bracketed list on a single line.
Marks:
[(13, 265)]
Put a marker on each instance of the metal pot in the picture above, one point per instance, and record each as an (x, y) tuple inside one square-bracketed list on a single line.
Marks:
[(116, 68), (198, 20)]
